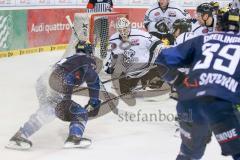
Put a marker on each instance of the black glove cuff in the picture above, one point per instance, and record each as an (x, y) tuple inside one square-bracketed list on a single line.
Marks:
[(179, 80)]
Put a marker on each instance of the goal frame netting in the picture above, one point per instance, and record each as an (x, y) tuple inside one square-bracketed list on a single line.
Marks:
[(96, 28)]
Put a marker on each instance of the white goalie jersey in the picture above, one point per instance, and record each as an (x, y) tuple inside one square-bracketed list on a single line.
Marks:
[(133, 57)]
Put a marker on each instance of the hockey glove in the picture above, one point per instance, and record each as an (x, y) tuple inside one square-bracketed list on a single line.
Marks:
[(109, 69), (172, 76), (162, 27), (93, 107)]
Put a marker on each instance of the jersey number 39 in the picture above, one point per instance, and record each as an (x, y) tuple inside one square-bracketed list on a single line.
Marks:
[(226, 61)]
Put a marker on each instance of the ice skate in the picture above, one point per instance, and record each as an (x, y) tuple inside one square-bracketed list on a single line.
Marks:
[(19, 142), (77, 142)]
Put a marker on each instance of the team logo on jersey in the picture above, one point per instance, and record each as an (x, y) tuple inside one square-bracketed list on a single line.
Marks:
[(157, 14), (172, 14), (128, 57), (135, 42)]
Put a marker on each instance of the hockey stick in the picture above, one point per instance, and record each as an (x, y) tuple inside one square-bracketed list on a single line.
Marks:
[(103, 82), (132, 92), (113, 79), (105, 93), (121, 95), (72, 26)]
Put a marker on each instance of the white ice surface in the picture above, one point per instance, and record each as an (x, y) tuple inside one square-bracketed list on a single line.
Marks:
[(112, 139)]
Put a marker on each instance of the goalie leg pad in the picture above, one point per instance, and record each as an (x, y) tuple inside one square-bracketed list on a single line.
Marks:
[(127, 84), (69, 111)]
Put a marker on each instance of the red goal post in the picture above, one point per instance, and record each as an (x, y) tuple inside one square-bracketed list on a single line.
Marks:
[(94, 27)]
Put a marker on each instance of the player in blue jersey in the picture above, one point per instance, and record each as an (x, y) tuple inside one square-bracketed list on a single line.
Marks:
[(68, 73), (212, 86), (54, 91)]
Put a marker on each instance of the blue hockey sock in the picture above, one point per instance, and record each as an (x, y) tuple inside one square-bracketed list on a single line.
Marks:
[(76, 128)]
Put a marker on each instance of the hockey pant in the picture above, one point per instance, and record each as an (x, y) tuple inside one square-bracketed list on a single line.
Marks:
[(200, 117), (48, 100)]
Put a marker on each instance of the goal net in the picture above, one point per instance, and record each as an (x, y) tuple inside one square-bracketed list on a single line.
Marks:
[(96, 28)]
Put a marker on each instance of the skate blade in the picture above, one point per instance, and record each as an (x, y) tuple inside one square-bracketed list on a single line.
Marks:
[(84, 143), (13, 145)]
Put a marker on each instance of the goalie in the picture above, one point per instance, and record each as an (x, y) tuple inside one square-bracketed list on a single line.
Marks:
[(132, 52)]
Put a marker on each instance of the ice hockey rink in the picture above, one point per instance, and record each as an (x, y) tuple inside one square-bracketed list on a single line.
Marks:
[(112, 138)]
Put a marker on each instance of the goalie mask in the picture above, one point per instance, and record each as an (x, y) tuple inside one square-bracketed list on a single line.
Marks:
[(123, 27)]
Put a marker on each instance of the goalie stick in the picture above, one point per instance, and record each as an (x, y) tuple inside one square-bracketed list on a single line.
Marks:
[(103, 82), (131, 92), (113, 79)]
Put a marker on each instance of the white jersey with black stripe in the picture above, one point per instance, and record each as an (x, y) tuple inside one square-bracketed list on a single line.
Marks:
[(184, 37), (200, 30), (154, 14), (133, 55), (197, 30)]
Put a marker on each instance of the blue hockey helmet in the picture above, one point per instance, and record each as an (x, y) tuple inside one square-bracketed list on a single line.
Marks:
[(84, 47), (205, 8), (184, 25)]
